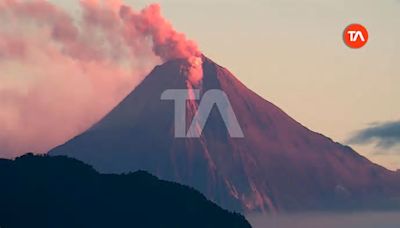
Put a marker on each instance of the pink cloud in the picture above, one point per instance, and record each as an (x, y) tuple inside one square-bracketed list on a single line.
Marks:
[(60, 74)]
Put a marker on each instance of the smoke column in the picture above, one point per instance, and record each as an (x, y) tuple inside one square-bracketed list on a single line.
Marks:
[(61, 73)]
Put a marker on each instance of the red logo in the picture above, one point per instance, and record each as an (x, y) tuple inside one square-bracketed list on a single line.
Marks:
[(355, 36)]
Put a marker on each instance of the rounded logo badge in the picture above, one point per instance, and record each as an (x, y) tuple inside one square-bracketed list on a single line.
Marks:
[(355, 36)]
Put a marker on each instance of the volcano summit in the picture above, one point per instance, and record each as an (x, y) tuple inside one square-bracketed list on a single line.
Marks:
[(279, 165)]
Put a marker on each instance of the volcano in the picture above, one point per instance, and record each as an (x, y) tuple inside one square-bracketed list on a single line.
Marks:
[(279, 165)]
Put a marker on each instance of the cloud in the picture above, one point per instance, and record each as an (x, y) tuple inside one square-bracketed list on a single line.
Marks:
[(327, 220), (60, 73), (384, 135)]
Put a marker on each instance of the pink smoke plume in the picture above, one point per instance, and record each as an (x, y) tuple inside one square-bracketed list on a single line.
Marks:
[(61, 73)]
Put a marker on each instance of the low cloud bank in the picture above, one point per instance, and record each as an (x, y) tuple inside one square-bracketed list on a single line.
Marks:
[(328, 220)]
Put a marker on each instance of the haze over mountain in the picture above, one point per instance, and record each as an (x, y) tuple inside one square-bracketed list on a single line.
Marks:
[(279, 165)]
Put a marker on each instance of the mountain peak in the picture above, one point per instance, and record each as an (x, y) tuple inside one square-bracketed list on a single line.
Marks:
[(181, 68)]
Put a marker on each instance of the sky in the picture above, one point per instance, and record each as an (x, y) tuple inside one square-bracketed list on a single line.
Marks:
[(292, 54)]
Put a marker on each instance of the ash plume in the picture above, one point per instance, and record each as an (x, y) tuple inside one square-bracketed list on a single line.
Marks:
[(60, 73)]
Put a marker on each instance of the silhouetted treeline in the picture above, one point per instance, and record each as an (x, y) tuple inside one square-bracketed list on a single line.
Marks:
[(57, 192)]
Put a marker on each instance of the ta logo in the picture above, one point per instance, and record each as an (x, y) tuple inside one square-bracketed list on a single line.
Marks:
[(209, 99), (355, 36)]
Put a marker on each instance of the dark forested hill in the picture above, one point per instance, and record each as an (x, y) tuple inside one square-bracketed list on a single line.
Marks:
[(56, 192)]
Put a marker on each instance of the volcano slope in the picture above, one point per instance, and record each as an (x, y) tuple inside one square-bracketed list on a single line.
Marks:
[(279, 165)]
